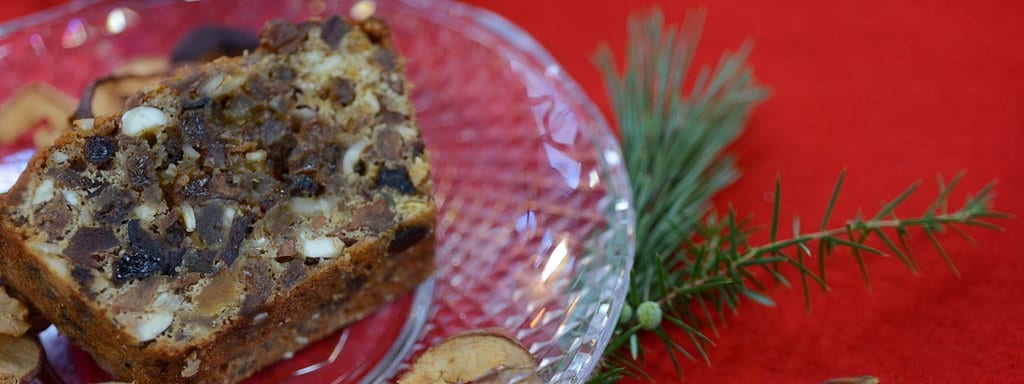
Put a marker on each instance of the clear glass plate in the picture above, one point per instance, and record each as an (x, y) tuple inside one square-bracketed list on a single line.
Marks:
[(535, 223)]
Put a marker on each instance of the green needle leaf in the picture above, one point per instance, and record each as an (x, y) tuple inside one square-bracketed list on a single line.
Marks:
[(695, 264)]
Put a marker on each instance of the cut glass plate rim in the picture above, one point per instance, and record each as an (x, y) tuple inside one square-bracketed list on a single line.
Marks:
[(606, 147)]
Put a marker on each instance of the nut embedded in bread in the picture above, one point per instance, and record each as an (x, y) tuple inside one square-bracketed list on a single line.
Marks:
[(232, 212)]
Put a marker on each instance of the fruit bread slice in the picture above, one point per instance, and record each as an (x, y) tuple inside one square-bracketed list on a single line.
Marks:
[(232, 213)]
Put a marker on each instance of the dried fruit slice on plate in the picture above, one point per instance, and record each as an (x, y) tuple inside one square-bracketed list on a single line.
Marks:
[(479, 356), (21, 358)]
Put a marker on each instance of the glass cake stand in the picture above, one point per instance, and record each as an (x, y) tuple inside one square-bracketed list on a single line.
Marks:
[(534, 229)]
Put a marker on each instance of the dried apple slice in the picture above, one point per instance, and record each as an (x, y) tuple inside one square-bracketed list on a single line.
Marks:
[(479, 356), (28, 106), (21, 358), (13, 315)]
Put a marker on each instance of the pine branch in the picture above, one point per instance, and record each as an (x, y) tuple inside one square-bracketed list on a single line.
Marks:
[(692, 267)]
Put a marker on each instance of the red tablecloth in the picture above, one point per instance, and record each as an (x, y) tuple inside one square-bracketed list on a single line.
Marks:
[(893, 91)]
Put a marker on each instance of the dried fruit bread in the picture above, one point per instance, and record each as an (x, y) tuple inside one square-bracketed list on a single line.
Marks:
[(233, 212)]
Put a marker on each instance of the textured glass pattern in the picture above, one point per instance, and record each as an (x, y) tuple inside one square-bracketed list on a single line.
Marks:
[(534, 225)]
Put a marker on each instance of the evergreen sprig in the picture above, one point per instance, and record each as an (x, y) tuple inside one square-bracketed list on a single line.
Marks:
[(692, 266)]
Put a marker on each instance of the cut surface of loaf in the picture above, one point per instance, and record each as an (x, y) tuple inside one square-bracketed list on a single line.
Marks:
[(231, 213)]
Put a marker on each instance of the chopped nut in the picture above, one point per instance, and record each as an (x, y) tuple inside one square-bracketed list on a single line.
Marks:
[(44, 192), (256, 156), (348, 162), (145, 326), (321, 247), (145, 213), (188, 215), (309, 207), (142, 119), (191, 366)]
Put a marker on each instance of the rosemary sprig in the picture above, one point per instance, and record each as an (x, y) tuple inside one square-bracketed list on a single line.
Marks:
[(691, 266)]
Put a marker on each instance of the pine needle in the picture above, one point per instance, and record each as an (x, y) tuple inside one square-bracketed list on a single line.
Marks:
[(697, 264)]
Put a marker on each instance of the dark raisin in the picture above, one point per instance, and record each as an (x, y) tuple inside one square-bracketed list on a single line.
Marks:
[(196, 188), (311, 261), (342, 91), (333, 29), (172, 147), (396, 178), (88, 241), (136, 264), (210, 42), (193, 125), (199, 103), (304, 185), (406, 238), (99, 149), (140, 171), (240, 228), (142, 239)]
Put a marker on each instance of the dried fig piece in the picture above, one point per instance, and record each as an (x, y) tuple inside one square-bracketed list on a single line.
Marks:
[(473, 355), (20, 359)]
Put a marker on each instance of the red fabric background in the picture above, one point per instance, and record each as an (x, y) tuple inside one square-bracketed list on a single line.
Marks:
[(894, 91)]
